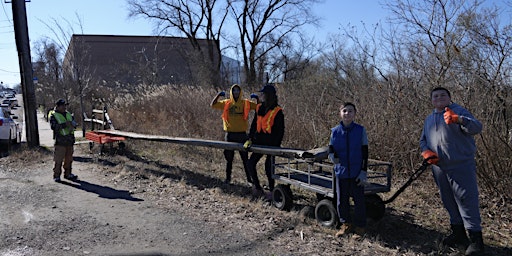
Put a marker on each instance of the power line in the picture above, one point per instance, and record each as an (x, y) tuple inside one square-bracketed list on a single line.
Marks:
[(6, 15), (7, 71)]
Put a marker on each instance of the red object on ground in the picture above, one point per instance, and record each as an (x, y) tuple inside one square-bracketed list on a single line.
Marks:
[(102, 138)]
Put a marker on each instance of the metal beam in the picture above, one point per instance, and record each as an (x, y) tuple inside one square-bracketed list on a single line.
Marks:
[(266, 150)]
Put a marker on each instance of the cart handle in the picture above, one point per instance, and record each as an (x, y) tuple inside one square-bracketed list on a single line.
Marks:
[(414, 176)]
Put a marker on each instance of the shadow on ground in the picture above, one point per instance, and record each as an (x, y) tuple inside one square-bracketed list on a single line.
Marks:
[(102, 191)]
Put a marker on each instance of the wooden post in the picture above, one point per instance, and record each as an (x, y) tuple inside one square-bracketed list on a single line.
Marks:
[(19, 14)]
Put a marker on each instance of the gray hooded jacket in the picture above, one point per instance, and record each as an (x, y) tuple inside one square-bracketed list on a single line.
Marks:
[(454, 143)]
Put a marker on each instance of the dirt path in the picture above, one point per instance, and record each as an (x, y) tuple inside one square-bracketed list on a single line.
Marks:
[(96, 215)]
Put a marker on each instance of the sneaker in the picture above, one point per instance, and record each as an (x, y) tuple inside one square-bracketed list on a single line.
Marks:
[(56, 179), (345, 228), (71, 177)]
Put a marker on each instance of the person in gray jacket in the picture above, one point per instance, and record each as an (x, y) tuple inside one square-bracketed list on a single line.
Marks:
[(447, 143)]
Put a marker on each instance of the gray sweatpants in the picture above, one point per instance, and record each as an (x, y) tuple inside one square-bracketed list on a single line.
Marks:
[(459, 193)]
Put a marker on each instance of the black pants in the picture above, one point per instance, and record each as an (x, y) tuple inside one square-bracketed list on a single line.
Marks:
[(239, 137), (253, 161)]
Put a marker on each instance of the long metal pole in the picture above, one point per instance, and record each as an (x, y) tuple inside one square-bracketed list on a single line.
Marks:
[(19, 13)]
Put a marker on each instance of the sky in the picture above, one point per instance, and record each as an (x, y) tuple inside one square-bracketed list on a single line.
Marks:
[(110, 17)]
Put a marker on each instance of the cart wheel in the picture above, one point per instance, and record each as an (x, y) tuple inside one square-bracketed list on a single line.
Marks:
[(325, 213), (282, 197), (375, 207)]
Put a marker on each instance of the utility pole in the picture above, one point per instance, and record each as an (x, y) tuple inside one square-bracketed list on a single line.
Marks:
[(19, 14)]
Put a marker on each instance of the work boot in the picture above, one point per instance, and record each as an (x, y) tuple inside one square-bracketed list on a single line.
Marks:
[(458, 237), (359, 233), (345, 228), (476, 247)]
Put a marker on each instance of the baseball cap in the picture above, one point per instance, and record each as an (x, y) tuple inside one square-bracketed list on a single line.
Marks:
[(268, 88), (61, 102)]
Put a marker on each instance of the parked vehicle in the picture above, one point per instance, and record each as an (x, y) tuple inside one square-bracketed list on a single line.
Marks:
[(14, 102), (11, 103), (10, 130)]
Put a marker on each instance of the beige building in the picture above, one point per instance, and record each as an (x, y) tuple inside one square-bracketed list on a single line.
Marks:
[(113, 60)]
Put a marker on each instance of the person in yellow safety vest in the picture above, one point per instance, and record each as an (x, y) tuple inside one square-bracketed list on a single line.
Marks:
[(267, 129), (63, 125), (235, 115)]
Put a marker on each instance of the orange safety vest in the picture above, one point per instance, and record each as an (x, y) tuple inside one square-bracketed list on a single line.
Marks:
[(265, 123), (247, 109)]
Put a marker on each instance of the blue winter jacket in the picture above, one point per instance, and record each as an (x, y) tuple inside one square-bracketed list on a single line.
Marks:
[(347, 143)]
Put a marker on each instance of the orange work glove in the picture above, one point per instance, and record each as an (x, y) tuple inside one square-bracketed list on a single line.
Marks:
[(430, 156), (450, 117)]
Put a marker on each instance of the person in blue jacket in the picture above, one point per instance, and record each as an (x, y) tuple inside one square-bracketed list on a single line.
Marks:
[(447, 143), (348, 150)]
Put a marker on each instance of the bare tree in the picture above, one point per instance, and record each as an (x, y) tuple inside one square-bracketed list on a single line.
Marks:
[(460, 45), (48, 70), (76, 69), (192, 18), (264, 25), (290, 60)]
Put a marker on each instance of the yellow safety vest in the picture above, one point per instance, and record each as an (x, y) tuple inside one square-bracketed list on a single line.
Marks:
[(61, 119)]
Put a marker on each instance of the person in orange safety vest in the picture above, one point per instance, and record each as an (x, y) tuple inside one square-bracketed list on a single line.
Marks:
[(235, 115), (267, 129)]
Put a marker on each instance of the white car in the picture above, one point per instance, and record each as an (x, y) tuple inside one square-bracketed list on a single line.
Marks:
[(10, 130)]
